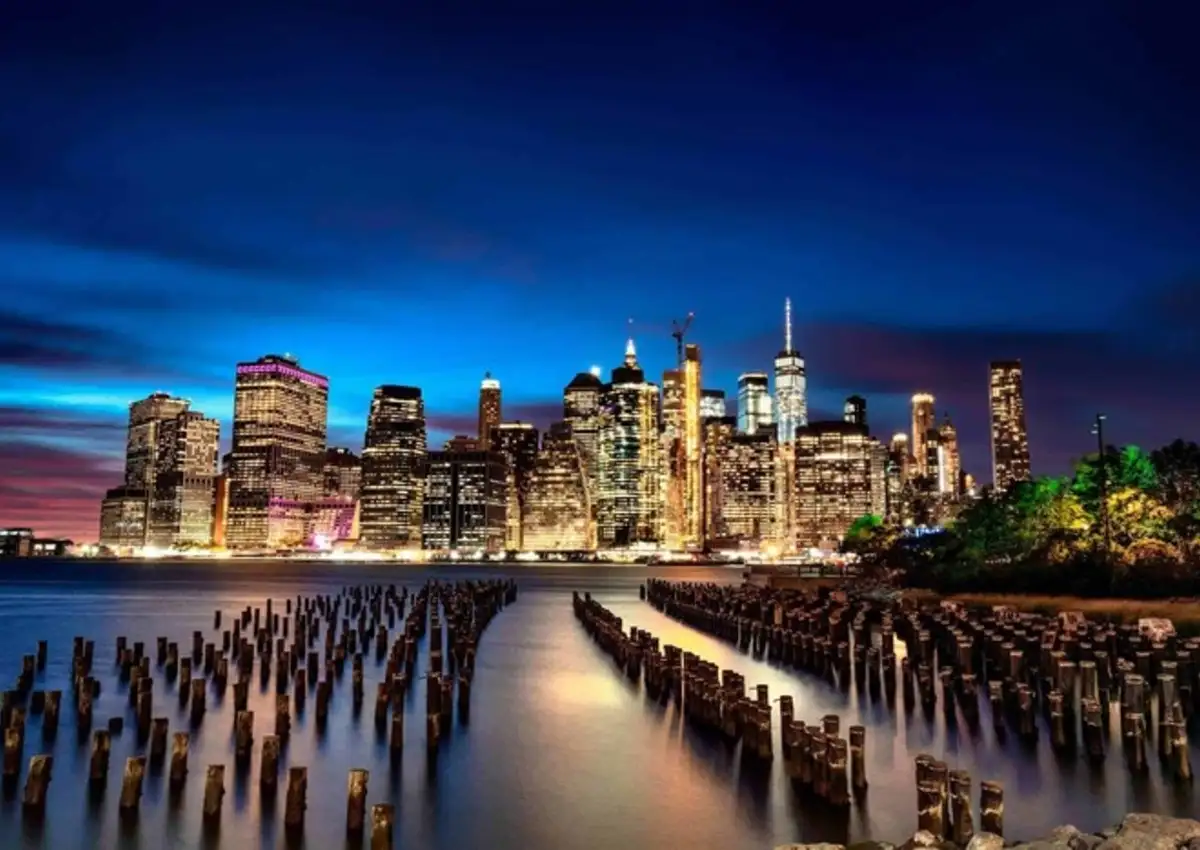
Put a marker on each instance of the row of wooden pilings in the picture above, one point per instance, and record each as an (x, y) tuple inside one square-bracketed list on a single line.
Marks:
[(1073, 672), (816, 758), (464, 610)]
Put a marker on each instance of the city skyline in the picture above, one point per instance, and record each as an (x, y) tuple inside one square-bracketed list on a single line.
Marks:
[(154, 232)]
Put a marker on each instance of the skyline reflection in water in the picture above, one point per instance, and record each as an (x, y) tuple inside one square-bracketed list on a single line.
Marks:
[(562, 751)]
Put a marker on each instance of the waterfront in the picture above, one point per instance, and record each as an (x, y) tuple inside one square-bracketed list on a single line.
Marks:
[(561, 751)]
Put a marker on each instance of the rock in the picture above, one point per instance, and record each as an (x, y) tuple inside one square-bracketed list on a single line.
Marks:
[(922, 838), (1086, 841), (985, 841), (811, 847), (1152, 832), (1107, 832), (1062, 834)]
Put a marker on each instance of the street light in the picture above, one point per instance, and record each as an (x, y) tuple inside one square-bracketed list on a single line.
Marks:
[(1102, 463)]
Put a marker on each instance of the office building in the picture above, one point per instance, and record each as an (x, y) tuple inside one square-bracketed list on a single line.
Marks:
[(220, 506), (629, 492), (791, 384), (712, 404), (489, 408), (855, 410), (839, 477), (672, 455), (16, 542), (950, 462), (557, 516), (923, 421), (749, 506), (466, 493), (897, 472), (518, 443), (185, 476), (123, 519), (392, 489), (693, 449), (141, 446), (343, 473), (754, 403), (581, 413), (717, 434), (278, 458), (1010, 439)]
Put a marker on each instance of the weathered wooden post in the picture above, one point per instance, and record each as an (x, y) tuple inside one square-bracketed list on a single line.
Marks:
[(356, 803), (858, 757), (199, 699), (296, 803), (13, 747), (131, 786), (991, 807), (42, 652), (464, 698), (179, 760), (98, 768), (243, 730), (1181, 760), (962, 822), (382, 816), (36, 786), (283, 716), (268, 774), (214, 794), (839, 786)]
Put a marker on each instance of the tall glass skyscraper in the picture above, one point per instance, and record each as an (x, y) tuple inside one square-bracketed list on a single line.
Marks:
[(791, 384), (923, 421), (392, 491), (1010, 439), (754, 403)]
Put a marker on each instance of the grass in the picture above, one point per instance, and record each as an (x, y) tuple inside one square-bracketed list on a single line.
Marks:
[(1184, 613)]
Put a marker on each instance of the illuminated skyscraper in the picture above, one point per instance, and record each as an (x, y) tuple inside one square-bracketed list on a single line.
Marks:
[(629, 475), (717, 434), (1010, 440), (335, 516), (855, 410), (791, 384), (923, 420), (141, 450), (343, 473), (185, 473), (712, 404), (754, 403), (693, 449), (123, 519), (897, 471), (557, 515), (278, 457), (673, 459), (749, 508), (839, 478), (518, 443), (392, 494), (581, 412), (465, 500), (489, 408), (950, 465)]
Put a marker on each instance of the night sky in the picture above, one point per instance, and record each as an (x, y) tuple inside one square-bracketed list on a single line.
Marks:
[(422, 194)]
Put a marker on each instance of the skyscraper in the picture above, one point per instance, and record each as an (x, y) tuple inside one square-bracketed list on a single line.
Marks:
[(581, 412), (518, 443), (923, 420), (278, 457), (343, 473), (754, 403), (855, 410), (557, 515), (629, 475), (1010, 440), (791, 387), (392, 492), (489, 408), (123, 518), (717, 434), (465, 499), (839, 478), (185, 472), (693, 449), (897, 472), (950, 467), (141, 452), (749, 509), (712, 404), (673, 459)]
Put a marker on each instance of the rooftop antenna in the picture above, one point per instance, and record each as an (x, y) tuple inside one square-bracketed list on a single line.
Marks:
[(787, 325)]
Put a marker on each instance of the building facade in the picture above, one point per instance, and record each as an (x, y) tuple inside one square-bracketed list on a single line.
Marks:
[(557, 515), (343, 473), (854, 410), (518, 443), (278, 457), (183, 499), (629, 473), (712, 404), (791, 384), (141, 446), (717, 434), (1010, 439), (749, 497), (693, 450), (489, 408), (754, 412), (840, 476), (123, 518), (923, 421), (393, 484), (582, 414), (950, 464), (466, 500)]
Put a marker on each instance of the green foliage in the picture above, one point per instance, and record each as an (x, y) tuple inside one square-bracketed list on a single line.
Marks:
[(1047, 535)]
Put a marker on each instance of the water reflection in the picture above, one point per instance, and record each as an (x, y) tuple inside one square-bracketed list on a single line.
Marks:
[(562, 750)]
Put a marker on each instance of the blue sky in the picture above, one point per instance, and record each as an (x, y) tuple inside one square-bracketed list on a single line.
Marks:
[(427, 192)]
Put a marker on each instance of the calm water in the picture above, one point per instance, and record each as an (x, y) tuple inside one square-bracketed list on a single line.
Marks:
[(562, 752)]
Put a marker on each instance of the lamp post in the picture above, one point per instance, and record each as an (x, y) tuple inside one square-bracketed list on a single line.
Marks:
[(1102, 466)]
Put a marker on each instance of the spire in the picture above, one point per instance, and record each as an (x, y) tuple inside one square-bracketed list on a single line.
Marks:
[(787, 325), (630, 348)]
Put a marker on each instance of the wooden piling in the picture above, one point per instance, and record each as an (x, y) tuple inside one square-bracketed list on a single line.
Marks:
[(131, 786), (214, 793), (356, 803), (243, 732), (297, 801), (13, 746), (962, 825), (37, 784), (98, 765), (268, 774), (858, 757), (179, 759), (382, 816), (991, 807)]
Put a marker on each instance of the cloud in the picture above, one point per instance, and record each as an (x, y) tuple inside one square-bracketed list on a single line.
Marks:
[(54, 490)]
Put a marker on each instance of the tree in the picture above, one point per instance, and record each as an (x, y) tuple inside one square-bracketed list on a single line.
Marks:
[(1129, 467), (868, 537), (1135, 516), (1177, 467)]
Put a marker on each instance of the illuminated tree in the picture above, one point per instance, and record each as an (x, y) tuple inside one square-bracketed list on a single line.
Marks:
[(1178, 469), (1135, 516), (1129, 467)]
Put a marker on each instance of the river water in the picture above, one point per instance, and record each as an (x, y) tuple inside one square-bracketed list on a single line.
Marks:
[(562, 752)]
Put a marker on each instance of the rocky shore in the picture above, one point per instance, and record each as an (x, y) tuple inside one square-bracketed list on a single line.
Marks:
[(1136, 832)]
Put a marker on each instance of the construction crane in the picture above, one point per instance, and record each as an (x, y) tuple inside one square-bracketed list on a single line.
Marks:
[(679, 331)]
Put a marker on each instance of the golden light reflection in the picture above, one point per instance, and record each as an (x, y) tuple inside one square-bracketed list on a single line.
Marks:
[(590, 689)]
